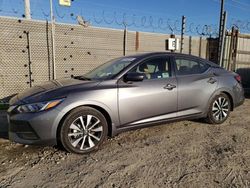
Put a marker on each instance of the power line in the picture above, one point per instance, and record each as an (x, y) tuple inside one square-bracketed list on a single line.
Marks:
[(241, 3), (232, 5), (115, 17)]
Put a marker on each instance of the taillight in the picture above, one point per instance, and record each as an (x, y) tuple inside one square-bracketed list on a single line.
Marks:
[(238, 78)]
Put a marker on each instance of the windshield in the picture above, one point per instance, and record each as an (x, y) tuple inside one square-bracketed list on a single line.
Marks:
[(109, 69)]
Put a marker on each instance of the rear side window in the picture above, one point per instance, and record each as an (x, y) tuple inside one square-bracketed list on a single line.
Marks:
[(189, 67)]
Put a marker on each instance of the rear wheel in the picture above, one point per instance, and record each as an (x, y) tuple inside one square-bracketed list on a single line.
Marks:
[(219, 109), (83, 130)]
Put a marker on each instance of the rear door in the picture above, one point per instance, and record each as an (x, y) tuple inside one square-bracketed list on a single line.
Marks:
[(196, 84), (154, 98)]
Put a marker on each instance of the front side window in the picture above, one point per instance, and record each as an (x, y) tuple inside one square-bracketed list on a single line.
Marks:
[(188, 67), (155, 68)]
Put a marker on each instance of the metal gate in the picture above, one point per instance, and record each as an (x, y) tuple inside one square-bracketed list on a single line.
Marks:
[(236, 50), (237, 54)]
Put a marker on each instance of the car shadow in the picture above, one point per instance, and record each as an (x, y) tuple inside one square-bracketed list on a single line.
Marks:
[(247, 95), (202, 120), (245, 80), (3, 124)]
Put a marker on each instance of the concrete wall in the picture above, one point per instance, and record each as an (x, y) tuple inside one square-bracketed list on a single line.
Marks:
[(78, 50)]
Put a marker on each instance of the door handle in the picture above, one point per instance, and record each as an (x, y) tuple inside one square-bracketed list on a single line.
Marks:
[(169, 86), (212, 81)]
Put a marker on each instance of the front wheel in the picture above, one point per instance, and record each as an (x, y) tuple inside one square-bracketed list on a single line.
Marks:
[(219, 109), (83, 130)]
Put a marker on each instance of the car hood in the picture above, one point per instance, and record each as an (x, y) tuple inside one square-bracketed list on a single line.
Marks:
[(51, 90)]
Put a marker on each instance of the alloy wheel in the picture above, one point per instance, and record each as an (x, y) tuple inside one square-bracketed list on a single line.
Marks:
[(85, 132), (220, 108)]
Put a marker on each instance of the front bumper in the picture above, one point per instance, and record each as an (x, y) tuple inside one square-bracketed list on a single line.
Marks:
[(34, 128)]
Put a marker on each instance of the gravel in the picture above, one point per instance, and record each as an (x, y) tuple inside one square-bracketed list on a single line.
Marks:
[(180, 154)]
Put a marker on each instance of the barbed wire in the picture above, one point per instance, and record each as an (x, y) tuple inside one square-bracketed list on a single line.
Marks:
[(134, 21), (172, 26), (242, 25), (162, 24)]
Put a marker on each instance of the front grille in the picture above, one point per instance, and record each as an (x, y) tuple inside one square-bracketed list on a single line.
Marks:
[(23, 130), (20, 126)]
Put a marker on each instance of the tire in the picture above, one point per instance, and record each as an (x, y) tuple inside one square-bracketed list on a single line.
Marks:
[(83, 130), (219, 109)]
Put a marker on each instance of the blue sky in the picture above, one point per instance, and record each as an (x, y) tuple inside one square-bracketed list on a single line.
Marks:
[(161, 16)]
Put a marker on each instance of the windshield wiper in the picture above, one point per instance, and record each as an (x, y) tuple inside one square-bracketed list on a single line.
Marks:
[(81, 78)]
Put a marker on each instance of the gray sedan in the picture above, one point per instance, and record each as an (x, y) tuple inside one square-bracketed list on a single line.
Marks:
[(123, 94)]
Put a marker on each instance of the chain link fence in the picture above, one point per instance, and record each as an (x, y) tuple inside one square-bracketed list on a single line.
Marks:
[(26, 52)]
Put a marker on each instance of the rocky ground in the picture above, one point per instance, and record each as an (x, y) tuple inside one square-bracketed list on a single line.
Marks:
[(182, 154)]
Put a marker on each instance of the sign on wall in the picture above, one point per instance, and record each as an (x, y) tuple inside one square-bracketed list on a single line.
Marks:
[(65, 3), (173, 44)]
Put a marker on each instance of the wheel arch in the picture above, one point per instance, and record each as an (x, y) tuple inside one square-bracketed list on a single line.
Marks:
[(96, 107), (220, 91), (230, 98)]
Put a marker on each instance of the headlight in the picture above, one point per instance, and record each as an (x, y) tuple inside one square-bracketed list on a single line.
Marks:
[(38, 107), (11, 108)]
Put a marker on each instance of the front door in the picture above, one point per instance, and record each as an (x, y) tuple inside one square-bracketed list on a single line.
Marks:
[(151, 100)]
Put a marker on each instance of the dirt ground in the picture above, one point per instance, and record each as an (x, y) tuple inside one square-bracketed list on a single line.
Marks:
[(182, 154)]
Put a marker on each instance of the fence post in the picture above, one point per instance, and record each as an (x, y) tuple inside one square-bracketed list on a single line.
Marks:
[(48, 51), (29, 59), (235, 49), (137, 43), (125, 39), (183, 25), (190, 45), (230, 50), (200, 45)]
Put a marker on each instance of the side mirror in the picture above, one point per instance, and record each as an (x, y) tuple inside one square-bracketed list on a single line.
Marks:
[(133, 77)]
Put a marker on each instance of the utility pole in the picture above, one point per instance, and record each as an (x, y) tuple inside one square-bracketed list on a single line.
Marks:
[(53, 39), (27, 9), (221, 30), (221, 63)]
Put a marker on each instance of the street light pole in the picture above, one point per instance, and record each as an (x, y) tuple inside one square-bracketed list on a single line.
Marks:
[(27, 9), (53, 39)]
